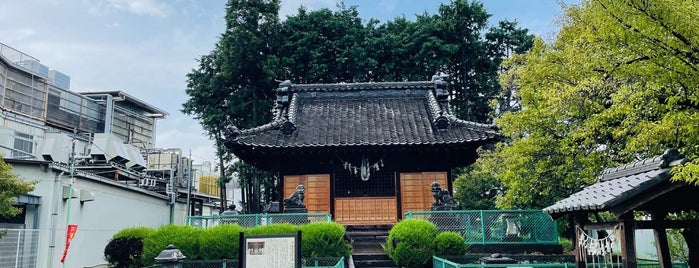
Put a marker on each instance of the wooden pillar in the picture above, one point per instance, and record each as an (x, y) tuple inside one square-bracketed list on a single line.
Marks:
[(628, 241), (661, 243)]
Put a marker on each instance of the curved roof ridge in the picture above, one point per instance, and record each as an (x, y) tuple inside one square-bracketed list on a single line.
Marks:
[(434, 105), (644, 165), (357, 86), (293, 108), (270, 125), (455, 120)]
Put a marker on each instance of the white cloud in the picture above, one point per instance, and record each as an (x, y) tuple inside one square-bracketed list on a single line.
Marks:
[(388, 5), (180, 131), (139, 7), (15, 35), (290, 7)]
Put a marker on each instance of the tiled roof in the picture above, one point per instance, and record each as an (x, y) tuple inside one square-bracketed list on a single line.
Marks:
[(399, 113), (619, 184)]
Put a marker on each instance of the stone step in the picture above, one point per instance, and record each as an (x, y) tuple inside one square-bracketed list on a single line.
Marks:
[(372, 261)]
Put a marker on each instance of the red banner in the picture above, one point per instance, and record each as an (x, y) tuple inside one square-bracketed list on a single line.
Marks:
[(70, 233)]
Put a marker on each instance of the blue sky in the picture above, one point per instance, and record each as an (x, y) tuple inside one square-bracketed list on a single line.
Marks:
[(146, 47)]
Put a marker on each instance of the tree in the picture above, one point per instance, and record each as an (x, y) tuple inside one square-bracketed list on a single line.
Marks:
[(11, 187), (618, 84), (232, 85), (476, 190)]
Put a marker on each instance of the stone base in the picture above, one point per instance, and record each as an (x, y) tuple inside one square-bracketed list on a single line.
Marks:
[(295, 210), (440, 208)]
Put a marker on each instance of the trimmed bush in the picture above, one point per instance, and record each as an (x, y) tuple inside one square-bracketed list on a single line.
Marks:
[(324, 239), (450, 244), (272, 229), (135, 232), (185, 238), (411, 243), (126, 247), (220, 242)]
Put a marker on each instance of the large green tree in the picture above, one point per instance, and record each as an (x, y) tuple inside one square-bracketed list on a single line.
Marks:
[(11, 187), (232, 86), (619, 83)]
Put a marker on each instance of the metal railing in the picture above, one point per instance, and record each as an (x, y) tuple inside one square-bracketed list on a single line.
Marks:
[(252, 220), (331, 262), (19, 248), (444, 263), (494, 226), (438, 262)]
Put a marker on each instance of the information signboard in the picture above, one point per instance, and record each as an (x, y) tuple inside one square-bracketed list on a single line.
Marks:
[(273, 251)]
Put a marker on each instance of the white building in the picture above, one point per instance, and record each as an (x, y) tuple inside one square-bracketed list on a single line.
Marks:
[(107, 136)]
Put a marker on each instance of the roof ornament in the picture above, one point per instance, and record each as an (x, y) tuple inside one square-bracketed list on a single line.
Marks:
[(441, 122), (288, 127), (440, 86), (283, 93)]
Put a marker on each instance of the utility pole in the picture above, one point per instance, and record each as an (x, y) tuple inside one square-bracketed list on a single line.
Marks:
[(189, 185)]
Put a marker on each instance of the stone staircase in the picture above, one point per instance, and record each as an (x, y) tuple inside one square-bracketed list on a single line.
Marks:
[(366, 245)]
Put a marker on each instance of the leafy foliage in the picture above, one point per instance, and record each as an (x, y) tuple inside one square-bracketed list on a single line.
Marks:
[(11, 187), (134, 232), (124, 252), (276, 228), (450, 244), (126, 247), (476, 190), (618, 84), (184, 238), (138, 246), (220, 242), (232, 85), (411, 242), (324, 239)]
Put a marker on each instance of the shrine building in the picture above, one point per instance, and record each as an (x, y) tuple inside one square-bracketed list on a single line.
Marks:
[(366, 152)]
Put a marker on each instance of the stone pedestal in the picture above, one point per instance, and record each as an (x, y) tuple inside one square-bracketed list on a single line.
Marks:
[(295, 210)]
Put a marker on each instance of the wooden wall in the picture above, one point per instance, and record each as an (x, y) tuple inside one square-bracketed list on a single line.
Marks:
[(317, 198), (416, 192), (366, 210)]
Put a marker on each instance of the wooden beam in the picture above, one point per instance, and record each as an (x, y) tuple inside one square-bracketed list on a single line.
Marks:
[(641, 199), (667, 224), (639, 225)]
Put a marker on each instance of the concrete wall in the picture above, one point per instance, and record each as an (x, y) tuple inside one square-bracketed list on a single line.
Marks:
[(114, 208)]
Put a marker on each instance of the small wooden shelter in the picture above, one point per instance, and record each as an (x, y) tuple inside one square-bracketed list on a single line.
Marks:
[(644, 186), (366, 152)]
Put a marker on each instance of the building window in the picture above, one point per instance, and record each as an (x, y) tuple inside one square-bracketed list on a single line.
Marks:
[(24, 144)]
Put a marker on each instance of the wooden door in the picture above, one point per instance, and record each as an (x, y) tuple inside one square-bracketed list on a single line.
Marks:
[(416, 192), (317, 197)]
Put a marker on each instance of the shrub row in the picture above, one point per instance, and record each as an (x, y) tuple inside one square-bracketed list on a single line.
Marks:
[(413, 242), (138, 246)]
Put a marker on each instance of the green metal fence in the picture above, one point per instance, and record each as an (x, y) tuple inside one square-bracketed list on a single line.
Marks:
[(494, 226), (332, 262), (438, 262), (252, 220)]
